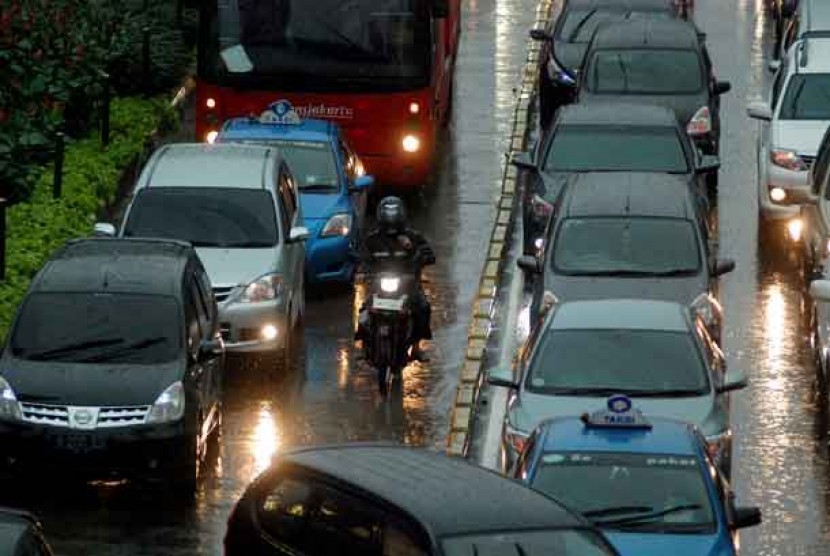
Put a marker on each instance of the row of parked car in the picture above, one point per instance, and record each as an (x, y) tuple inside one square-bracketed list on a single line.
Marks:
[(619, 398)]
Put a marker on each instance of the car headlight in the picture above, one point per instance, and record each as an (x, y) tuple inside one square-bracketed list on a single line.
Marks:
[(777, 194), (718, 444), (701, 122), (787, 159), (390, 285), (169, 406), (515, 437), (338, 225), (9, 408), (264, 288)]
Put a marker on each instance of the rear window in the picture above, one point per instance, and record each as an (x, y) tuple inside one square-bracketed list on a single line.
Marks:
[(644, 71), (579, 25), (98, 328), (563, 542)]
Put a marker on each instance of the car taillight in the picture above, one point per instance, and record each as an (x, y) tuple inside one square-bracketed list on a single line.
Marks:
[(701, 122), (541, 209)]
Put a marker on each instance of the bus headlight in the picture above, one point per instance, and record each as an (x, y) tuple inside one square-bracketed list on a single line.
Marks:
[(410, 143), (211, 136)]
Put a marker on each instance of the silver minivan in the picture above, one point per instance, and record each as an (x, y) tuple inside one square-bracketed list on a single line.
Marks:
[(238, 206)]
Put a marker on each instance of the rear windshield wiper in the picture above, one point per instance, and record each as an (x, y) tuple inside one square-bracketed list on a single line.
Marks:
[(69, 348)]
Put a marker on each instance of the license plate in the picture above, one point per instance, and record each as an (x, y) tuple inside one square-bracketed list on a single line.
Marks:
[(387, 304), (383, 329), (78, 443)]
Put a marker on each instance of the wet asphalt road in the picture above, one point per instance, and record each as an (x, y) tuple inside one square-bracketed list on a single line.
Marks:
[(329, 397), (781, 454)]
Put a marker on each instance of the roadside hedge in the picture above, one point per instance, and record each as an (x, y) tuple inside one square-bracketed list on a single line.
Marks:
[(91, 178)]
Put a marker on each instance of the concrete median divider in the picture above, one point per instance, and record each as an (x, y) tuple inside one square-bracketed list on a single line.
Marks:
[(471, 373)]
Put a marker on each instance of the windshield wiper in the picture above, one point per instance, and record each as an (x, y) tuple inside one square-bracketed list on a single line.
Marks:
[(598, 391), (316, 186), (613, 272), (648, 518), (575, 33), (617, 510), (676, 272), (106, 356), (248, 244), (89, 344), (662, 393)]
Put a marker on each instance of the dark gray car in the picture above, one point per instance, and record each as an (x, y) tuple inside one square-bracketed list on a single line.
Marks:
[(605, 137), (656, 62), (567, 36), (628, 235)]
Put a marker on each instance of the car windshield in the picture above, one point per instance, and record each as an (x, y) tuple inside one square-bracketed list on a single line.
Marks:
[(98, 327), (312, 163), (561, 542), (619, 246), (618, 149), (644, 72), (639, 492), (598, 361), (205, 216), (579, 25), (295, 43), (807, 98)]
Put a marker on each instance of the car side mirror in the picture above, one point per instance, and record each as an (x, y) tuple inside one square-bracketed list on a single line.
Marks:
[(298, 233), (820, 290), (773, 66), (708, 163), (722, 87), (362, 183), (759, 110), (523, 161), (723, 266), (747, 516), (104, 229), (502, 377), (734, 380), (529, 264), (540, 35), (211, 347)]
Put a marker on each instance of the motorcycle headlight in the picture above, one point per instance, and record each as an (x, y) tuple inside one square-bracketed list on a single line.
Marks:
[(169, 406), (264, 288), (390, 285), (338, 225), (9, 408)]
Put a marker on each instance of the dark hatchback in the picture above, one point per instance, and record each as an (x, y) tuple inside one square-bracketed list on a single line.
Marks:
[(21, 534), (567, 36), (628, 235), (113, 365), (656, 62), (373, 500), (604, 137)]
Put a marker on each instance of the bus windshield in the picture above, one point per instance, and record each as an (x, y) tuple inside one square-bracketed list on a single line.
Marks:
[(320, 44)]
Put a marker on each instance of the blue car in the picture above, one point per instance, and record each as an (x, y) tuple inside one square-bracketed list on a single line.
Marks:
[(650, 485), (333, 186)]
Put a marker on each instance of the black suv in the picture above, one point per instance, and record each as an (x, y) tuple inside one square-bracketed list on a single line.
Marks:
[(567, 37), (113, 364), (605, 137), (656, 62)]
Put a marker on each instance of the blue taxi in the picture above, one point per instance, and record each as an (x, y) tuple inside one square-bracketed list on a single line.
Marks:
[(330, 177), (649, 484)]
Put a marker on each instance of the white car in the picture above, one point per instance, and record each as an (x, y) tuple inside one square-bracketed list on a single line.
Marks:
[(793, 122)]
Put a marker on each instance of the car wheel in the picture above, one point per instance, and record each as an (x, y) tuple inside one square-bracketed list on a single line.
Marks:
[(186, 478)]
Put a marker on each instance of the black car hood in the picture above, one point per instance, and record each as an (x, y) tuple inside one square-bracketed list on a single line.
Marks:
[(683, 106), (678, 289), (85, 384)]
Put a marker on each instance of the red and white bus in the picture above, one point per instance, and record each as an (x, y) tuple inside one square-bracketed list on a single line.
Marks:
[(382, 69)]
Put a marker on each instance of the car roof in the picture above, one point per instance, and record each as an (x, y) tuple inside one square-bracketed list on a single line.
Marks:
[(252, 129), (818, 14), (666, 436), (628, 194), (648, 33), (206, 165), (117, 265), (463, 497), (810, 55), (624, 4), (620, 314), (606, 113)]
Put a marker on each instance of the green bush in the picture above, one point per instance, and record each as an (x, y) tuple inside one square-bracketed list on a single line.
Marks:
[(90, 181)]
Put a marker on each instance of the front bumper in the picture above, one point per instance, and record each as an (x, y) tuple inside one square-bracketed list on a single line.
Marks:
[(327, 260), (794, 184), (405, 171), (124, 452), (242, 326)]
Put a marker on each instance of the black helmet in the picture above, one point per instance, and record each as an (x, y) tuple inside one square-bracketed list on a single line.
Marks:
[(391, 214)]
